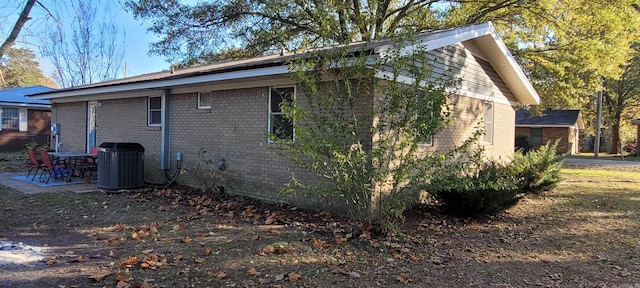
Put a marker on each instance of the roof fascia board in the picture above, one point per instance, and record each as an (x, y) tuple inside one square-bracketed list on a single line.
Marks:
[(109, 96), (28, 105), (163, 84)]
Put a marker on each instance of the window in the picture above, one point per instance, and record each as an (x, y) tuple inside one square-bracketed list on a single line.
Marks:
[(536, 136), (428, 116), (204, 100), (279, 125), (488, 123), (155, 111), (10, 118)]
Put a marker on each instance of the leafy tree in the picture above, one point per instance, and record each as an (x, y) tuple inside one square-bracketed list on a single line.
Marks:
[(92, 52), (621, 99), (17, 27), (568, 46), (366, 147), (19, 69)]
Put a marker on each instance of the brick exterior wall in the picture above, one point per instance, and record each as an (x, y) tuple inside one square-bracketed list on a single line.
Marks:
[(72, 118), (467, 115), (569, 137), (39, 123), (125, 120), (233, 129)]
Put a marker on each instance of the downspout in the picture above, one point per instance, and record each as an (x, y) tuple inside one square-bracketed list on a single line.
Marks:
[(165, 145)]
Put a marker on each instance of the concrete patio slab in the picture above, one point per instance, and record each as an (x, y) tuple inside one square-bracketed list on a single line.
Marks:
[(31, 188)]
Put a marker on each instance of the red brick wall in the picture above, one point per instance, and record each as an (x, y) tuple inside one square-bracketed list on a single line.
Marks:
[(38, 130)]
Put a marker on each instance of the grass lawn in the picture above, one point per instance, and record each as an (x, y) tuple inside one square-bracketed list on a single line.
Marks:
[(584, 233)]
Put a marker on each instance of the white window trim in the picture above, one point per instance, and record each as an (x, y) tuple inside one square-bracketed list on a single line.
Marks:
[(210, 95), (279, 113), (23, 125), (488, 137), (149, 110), (430, 141)]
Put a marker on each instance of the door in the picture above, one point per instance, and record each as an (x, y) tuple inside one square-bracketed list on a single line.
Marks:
[(92, 127)]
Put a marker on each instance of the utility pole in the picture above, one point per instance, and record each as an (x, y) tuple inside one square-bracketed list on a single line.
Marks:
[(596, 145)]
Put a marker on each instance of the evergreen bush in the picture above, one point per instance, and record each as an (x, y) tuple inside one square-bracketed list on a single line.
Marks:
[(538, 170), (489, 190)]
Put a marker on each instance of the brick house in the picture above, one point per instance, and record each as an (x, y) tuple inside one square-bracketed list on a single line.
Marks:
[(224, 108), (24, 120), (551, 125)]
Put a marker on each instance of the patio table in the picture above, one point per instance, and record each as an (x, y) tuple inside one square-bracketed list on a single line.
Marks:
[(73, 158)]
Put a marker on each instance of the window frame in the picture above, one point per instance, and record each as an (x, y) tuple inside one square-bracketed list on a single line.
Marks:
[(430, 141), (16, 118), (152, 110), (200, 96), (488, 107), (271, 114)]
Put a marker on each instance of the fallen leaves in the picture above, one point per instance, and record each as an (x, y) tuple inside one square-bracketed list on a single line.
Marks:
[(130, 262), (404, 278), (294, 277), (99, 276)]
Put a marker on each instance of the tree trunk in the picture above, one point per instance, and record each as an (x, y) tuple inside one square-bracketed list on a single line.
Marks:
[(22, 19), (615, 134)]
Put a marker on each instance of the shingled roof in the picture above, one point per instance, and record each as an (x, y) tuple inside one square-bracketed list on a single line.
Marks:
[(550, 118)]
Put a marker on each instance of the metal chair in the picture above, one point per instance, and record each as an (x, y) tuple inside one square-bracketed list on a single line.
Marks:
[(56, 168), (35, 163)]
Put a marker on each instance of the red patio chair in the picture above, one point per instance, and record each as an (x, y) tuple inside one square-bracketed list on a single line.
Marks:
[(35, 163), (56, 168)]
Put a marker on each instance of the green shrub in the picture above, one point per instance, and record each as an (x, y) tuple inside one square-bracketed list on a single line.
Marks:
[(539, 169), (524, 143), (489, 190)]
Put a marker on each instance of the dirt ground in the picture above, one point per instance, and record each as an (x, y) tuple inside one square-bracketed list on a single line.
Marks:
[(584, 233)]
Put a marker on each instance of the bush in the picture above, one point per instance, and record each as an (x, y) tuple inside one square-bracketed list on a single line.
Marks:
[(488, 191), (539, 169), (524, 143)]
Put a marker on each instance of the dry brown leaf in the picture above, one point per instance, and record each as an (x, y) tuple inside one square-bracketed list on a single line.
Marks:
[(51, 262), (121, 276), (319, 244), (186, 239), (178, 227), (207, 251), (268, 249), (340, 270), (221, 275), (212, 272), (294, 277), (200, 260), (112, 254), (178, 258), (135, 235), (131, 261), (341, 240), (100, 275), (122, 284), (255, 237), (252, 271), (403, 277)]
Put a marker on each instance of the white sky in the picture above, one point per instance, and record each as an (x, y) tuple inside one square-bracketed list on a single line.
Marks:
[(137, 39)]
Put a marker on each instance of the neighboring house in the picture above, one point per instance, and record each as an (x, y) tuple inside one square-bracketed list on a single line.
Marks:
[(24, 119), (224, 108), (551, 125)]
